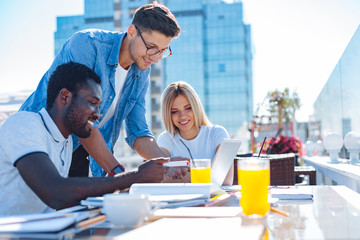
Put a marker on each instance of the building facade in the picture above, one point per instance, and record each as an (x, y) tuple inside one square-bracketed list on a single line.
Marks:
[(97, 14), (213, 54), (336, 107)]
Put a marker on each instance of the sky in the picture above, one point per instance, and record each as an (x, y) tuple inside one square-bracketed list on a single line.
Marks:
[(296, 43)]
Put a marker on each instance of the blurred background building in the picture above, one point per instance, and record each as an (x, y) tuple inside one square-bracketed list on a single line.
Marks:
[(11, 102), (97, 14)]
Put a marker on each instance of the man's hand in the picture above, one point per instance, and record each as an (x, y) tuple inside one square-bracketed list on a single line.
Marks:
[(178, 174), (152, 171)]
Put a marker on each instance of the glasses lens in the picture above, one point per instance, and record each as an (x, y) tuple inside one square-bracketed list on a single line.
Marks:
[(165, 54), (154, 51)]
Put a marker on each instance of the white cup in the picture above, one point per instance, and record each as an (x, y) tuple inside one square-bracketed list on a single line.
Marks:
[(124, 210)]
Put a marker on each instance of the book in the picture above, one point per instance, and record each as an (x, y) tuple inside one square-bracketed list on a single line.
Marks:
[(171, 189)]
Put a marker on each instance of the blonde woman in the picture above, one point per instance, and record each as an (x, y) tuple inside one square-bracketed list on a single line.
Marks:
[(189, 133)]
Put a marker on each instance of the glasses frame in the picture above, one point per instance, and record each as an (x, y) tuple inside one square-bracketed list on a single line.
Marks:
[(157, 51)]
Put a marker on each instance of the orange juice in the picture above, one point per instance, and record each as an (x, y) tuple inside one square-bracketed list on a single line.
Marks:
[(254, 191), (200, 175)]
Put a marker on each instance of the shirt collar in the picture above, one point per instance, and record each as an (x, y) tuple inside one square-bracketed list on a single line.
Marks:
[(114, 55), (115, 50), (51, 126)]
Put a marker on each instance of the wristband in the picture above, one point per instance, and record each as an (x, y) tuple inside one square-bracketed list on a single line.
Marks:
[(118, 169)]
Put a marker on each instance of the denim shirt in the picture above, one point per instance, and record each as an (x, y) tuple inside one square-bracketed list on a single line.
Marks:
[(99, 50)]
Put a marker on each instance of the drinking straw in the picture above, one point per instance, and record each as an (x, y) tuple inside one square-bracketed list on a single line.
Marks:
[(262, 145), (268, 151), (286, 214)]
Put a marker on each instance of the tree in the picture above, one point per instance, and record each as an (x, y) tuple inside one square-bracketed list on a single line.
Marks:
[(277, 107), (282, 106)]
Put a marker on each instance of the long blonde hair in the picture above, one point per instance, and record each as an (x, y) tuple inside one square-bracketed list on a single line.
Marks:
[(167, 99)]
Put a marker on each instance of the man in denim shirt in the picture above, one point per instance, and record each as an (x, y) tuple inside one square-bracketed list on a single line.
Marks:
[(122, 60)]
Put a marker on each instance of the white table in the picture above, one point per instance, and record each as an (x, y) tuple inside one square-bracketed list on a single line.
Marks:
[(341, 173), (334, 213)]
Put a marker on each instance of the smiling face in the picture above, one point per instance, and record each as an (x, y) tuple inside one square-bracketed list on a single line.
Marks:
[(137, 48), (182, 117), (83, 110)]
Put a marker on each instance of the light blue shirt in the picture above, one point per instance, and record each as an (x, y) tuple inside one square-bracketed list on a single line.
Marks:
[(202, 146), (99, 50)]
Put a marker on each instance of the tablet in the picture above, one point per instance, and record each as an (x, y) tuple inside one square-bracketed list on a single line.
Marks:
[(224, 157)]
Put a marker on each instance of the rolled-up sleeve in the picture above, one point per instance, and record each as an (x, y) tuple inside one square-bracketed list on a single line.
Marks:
[(136, 125)]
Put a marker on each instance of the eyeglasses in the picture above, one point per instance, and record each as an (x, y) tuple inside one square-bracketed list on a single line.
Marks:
[(154, 51)]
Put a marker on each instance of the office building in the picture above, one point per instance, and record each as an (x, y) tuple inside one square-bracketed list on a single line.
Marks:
[(97, 14)]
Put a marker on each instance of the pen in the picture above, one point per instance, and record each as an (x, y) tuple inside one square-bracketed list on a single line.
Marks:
[(89, 221), (214, 198), (286, 214), (176, 164), (220, 200)]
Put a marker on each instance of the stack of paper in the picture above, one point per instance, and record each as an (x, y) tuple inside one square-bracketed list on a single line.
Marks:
[(93, 201), (45, 222)]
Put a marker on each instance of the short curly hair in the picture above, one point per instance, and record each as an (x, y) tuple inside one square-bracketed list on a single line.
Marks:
[(72, 76)]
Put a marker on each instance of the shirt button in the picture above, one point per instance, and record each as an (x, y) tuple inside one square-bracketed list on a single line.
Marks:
[(110, 97)]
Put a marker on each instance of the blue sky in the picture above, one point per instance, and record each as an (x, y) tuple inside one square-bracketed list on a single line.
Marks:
[(26, 42), (296, 43)]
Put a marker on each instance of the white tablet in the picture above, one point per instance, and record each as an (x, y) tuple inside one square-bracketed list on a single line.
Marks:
[(224, 157)]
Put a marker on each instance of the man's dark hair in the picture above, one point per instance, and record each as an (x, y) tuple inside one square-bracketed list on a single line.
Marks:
[(156, 17), (72, 76)]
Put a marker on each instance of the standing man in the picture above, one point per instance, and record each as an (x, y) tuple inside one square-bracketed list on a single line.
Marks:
[(122, 60), (36, 148)]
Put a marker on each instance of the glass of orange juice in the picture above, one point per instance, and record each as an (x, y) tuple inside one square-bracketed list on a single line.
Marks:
[(254, 178), (200, 170)]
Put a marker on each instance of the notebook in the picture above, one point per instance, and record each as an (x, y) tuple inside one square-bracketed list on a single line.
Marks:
[(224, 157)]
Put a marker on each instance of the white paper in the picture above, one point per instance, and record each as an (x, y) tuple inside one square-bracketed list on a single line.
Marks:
[(196, 228), (45, 222), (171, 188), (204, 212), (176, 198)]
